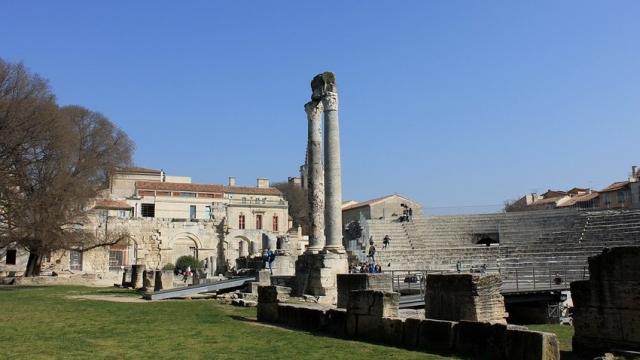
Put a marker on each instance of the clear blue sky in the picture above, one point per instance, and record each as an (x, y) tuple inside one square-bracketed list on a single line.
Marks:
[(452, 103)]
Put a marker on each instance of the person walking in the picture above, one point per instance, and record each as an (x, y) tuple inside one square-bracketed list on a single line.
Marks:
[(271, 256), (372, 253), (385, 241)]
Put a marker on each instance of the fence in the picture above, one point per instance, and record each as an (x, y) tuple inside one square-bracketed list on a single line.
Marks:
[(522, 278)]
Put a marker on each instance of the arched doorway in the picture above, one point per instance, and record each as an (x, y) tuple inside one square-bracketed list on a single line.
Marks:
[(185, 245)]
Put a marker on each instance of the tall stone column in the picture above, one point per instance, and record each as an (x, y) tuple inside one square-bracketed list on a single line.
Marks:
[(332, 173), (315, 178)]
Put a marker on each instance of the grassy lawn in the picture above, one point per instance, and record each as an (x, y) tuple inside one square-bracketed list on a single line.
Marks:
[(44, 323)]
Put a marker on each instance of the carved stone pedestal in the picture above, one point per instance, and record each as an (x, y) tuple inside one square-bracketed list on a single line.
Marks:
[(316, 275)]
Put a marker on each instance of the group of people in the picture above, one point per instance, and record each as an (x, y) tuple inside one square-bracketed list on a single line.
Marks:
[(407, 213), (365, 267)]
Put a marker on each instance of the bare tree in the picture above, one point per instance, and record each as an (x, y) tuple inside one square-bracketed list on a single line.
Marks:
[(298, 203), (54, 160)]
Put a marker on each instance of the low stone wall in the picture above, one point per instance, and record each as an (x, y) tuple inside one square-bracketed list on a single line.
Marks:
[(282, 280), (474, 297), (372, 316), (350, 282), (607, 306), (268, 299)]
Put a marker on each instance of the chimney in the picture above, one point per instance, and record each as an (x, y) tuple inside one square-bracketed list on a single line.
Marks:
[(163, 176), (634, 171), (263, 183), (232, 181)]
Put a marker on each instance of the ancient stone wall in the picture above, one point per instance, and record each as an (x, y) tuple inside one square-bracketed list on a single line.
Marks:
[(350, 282), (607, 306), (373, 316), (456, 297)]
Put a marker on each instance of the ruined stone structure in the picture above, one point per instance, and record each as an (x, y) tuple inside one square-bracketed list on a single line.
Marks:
[(351, 282), (166, 217), (372, 315), (325, 257), (474, 297), (607, 306), (315, 181)]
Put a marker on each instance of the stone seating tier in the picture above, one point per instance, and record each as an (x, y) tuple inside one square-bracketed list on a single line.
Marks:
[(552, 238)]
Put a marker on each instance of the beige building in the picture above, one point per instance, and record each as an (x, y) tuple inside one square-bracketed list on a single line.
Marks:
[(390, 207), (166, 217), (619, 195)]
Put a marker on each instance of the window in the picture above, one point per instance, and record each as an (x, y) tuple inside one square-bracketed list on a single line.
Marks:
[(123, 214), (264, 200), (148, 210), (241, 222), (187, 194), (621, 196), (11, 257), (115, 259), (207, 213), (259, 222), (75, 260), (192, 212), (275, 223)]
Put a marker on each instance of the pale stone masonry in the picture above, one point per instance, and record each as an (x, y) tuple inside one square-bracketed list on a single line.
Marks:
[(316, 270), (372, 315), (333, 173), (315, 177), (607, 306), (456, 297)]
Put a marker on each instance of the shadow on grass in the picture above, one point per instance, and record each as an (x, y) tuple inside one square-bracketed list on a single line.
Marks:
[(245, 319), (21, 287), (117, 291)]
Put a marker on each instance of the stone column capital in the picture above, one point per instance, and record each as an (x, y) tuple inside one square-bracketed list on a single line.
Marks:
[(330, 101), (313, 108)]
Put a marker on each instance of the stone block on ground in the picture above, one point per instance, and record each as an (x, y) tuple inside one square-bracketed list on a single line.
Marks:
[(481, 339), (606, 311), (410, 333), (337, 322), (531, 345), (268, 312), (437, 335), (264, 277), (374, 303), (167, 279), (302, 316), (474, 297), (350, 282), (273, 294), (393, 331)]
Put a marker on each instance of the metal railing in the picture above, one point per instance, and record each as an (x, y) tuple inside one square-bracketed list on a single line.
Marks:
[(540, 277), (411, 281), (523, 278)]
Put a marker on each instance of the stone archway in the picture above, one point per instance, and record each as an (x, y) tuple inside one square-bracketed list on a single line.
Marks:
[(185, 244)]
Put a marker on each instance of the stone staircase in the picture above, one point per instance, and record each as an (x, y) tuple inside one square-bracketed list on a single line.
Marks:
[(548, 240)]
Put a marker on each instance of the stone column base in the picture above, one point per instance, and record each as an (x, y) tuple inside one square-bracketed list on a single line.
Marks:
[(316, 275)]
